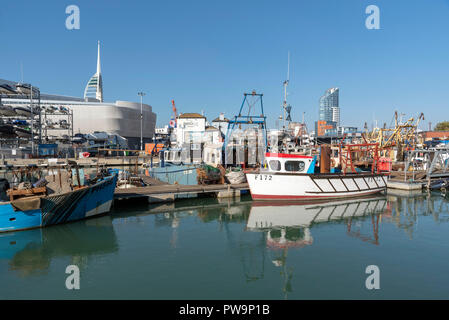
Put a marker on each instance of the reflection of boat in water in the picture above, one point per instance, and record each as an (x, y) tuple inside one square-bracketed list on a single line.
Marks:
[(288, 225), (31, 251), (268, 216)]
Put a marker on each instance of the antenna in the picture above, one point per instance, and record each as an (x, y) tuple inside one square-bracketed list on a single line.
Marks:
[(21, 71), (284, 105)]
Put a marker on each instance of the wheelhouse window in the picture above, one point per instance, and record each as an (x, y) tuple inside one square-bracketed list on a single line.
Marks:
[(275, 165), (297, 166)]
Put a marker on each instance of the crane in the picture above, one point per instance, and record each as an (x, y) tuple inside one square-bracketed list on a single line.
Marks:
[(175, 111)]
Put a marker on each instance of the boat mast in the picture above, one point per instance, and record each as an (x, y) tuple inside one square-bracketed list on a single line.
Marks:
[(285, 84)]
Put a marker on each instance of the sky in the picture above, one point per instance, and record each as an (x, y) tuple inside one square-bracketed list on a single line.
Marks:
[(206, 54)]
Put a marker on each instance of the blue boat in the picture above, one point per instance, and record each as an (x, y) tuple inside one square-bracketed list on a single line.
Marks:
[(41, 211)]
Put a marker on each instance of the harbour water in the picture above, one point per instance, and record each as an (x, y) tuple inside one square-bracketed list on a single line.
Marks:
[(211, 249)]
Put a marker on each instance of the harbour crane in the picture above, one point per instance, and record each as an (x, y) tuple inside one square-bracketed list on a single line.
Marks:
[(175, 111)]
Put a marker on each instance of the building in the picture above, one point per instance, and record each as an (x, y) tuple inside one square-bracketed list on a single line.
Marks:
[(341, 130), (329, 109), (119, 117), (90, 114), (324, 128), (190, 128), (221, 123)]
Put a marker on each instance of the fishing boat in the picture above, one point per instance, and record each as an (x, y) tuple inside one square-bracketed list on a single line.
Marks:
[(64, 198), (293, 177)]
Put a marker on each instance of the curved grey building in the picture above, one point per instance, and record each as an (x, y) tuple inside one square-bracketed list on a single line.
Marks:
[(92, 114), (120, 117)]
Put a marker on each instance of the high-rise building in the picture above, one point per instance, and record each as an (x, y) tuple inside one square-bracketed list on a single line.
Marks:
[(94, 88), (329, 107)]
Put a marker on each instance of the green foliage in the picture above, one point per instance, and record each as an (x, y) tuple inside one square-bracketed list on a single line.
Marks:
[(442, 126)]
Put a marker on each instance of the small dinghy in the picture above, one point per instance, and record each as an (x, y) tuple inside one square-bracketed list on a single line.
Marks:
[(23, 111)]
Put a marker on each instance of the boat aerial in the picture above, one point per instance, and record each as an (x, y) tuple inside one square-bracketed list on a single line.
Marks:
[(293, 177)]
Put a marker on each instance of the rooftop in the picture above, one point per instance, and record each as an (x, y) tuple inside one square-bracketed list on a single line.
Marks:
[(190, 115)]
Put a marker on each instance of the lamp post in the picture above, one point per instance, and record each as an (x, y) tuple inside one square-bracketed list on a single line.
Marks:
[(141, 94)]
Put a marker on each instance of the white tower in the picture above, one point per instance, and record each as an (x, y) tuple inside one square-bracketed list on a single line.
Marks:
[(94, 88)]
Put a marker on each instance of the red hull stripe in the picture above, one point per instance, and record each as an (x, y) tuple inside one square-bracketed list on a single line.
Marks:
[(286, 155), (283, 197)]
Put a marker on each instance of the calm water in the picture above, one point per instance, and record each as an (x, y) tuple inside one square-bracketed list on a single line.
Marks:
[(206, 249)]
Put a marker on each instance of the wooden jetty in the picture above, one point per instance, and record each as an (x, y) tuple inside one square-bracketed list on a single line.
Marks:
[(170, 192)]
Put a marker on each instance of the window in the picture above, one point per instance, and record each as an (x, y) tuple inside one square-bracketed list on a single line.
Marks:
[(294, 165), (275, 165)]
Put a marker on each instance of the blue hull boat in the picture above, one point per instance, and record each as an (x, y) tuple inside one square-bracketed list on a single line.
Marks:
[(53, 209)]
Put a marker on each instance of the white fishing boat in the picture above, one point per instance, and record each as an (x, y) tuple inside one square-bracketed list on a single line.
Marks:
[(293, 177)]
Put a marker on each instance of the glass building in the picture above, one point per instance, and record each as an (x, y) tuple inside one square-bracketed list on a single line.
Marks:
[(329, 107)]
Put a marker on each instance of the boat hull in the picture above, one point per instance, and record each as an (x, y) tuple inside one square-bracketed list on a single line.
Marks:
[(303, 187), (60, 208), (24, 112)]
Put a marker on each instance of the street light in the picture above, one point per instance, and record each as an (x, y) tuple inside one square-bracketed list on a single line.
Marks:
[(141, 94)]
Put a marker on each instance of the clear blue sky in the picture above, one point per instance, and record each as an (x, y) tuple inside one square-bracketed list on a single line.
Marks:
[(205, 54)]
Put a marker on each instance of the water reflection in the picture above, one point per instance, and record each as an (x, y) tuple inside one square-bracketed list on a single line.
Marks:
[(404, 208), (31, 252), (288, 226), (263, 240)]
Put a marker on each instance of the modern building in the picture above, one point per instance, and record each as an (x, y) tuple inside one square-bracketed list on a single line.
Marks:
[(119, 117), (341, 130), (324, 128), (329, 106), (90, 113)]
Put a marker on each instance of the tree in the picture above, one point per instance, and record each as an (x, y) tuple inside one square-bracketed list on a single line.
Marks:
[(442, 126)]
